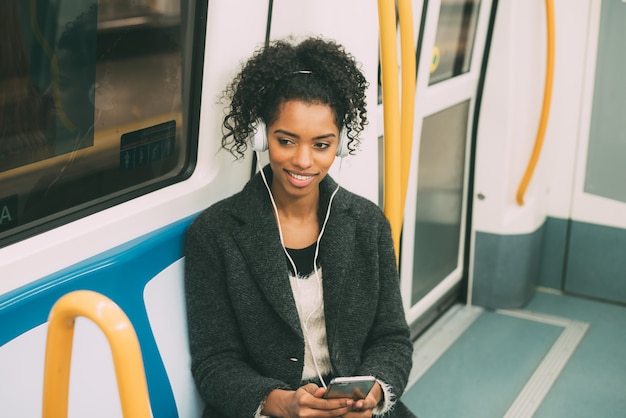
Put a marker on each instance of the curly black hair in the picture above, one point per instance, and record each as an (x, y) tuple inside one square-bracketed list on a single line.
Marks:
[(313, 71)]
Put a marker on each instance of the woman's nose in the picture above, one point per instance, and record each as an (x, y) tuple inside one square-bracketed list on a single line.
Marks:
[(304, 156)]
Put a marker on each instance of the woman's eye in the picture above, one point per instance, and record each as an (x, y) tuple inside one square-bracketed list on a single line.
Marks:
[(284, 141), (321, 145)]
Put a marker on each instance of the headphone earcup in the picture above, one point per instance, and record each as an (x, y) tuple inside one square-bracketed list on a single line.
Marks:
[(259, 139), (342, 146)]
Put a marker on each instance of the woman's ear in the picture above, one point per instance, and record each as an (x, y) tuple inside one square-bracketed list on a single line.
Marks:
[(342, 146), (259, 139)]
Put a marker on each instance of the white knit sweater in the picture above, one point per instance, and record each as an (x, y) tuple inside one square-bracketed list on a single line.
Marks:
[(308, 295)]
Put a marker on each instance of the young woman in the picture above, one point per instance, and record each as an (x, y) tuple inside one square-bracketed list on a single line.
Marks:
[(293, 280)]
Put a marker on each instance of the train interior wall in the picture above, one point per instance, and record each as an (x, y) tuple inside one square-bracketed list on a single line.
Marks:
[(542, 331)]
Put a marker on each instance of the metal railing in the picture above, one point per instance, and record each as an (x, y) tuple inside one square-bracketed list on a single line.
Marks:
[(117, 328), (545, 111), (398, 123)]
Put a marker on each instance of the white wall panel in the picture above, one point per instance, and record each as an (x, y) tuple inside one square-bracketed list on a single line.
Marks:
[(510, 115), (354, 24)]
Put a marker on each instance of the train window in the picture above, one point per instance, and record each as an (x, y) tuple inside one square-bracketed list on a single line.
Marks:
[(95, 105), (439, 210), (454, 40)]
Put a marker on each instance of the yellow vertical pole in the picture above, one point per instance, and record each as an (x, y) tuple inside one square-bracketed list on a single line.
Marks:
[(125, 349), (407, 49), (392, 147)]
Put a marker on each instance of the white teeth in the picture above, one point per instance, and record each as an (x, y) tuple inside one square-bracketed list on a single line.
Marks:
[(299, 177)]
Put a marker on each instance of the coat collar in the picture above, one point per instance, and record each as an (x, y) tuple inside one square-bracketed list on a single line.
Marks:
[(258, 238)]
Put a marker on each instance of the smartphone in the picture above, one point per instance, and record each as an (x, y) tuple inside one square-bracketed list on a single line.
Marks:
[(355, 387)]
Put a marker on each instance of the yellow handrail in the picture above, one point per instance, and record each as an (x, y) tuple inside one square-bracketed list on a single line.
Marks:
[(545, 111), (407, 49), (398, 137), (391, 114), (125, 349)]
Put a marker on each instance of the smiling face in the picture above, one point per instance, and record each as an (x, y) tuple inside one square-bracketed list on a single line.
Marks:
[(302, 145)]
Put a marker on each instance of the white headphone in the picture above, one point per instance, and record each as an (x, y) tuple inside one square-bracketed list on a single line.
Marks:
[(259, 140), (261, 127)]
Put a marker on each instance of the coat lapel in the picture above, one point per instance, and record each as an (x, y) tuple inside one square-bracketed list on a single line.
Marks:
[(336, 256), (259, 242), (258, 239)]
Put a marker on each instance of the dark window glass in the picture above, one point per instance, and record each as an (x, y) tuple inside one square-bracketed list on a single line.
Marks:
[(94, 105), (454, 40), (440, 183)]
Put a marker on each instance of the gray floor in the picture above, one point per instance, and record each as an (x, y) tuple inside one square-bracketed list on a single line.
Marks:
[(561, 356)]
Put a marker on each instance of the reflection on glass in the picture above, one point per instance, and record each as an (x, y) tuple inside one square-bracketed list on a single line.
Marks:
[(91, 101), (454, 41), (72, 78), (25, 109), (439, 197), (47, 72)]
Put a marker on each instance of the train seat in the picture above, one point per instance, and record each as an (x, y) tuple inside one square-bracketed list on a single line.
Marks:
[(145, 278)]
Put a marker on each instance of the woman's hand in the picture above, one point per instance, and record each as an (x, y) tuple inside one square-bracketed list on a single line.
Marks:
[(307, 402), (363, 407)]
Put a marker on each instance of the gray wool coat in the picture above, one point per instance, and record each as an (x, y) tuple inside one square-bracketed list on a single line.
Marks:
[(244, 330)]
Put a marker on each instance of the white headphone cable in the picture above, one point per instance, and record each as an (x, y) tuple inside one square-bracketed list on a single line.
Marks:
[(293, 264)]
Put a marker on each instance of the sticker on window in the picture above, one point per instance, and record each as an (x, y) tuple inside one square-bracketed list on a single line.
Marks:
[(148, 145)]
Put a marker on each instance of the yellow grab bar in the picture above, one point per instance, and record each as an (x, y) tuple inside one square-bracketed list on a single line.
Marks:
[(407, 49), (125, 349), (398, 138), (391, 114), (545, 111)]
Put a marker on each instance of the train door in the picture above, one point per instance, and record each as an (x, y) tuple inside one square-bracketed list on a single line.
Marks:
[(451, 46), (595, 264)]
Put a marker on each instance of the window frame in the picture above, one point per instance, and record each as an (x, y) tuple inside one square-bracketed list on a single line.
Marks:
[(192, 66)]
